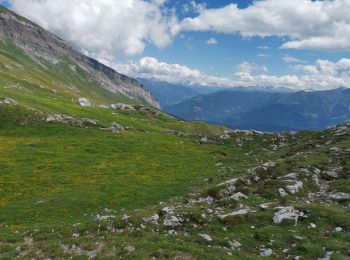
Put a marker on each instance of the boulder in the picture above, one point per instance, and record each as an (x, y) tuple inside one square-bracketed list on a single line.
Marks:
[(293, 189), (288, 213), (265, 252), (84, 102)]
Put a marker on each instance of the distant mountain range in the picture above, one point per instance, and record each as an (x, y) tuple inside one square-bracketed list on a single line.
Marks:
[(169, 94), (266, 110)]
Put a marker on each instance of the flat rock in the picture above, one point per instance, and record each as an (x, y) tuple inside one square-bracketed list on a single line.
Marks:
[(235, 213), (339, 196), (206, 237), (238, 196)]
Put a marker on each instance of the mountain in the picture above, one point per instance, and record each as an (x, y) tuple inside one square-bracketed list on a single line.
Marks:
[(170, 94), (268, 111), (48, 52)]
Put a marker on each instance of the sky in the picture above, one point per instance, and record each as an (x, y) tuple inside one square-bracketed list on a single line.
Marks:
[(300, 44)]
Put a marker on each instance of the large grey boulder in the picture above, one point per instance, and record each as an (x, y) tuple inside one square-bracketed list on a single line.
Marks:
[(288, 213)]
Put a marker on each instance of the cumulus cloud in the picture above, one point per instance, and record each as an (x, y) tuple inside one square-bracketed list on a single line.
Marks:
[(151, 68), (291, 59), (104, 28), (212, 41), (320, 25), (322, 75)]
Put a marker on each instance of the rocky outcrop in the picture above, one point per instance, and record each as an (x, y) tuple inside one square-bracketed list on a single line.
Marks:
[(39, 43)]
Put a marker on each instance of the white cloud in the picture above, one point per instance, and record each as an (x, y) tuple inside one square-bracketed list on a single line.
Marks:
[(212, 41), (291, 59), (104, 28), (247, 67), (321, 25), (322, 75), (151, 68)]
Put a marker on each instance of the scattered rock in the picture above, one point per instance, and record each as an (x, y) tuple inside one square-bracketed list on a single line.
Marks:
[(288, 213), (129, 249), (338, 229), (203, 140), (293, 189), (265, 206), (102, 218), (206, 237), (8, 101), (167, 210), (84, 102), (117, 127), (312, 225), (290, 176), (207, 199), (227, 192), (238, 196), (60, 118), (121, 106), (265, 252), (235, 213), (125, 217), (229, 182), (282, 192), (234, 244), (339, 196), (171, 221), (153, 219)]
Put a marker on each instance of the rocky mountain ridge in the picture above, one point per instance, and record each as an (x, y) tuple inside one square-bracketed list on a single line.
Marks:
[(39, 44)]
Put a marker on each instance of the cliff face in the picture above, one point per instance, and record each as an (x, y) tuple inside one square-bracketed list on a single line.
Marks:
[(39, 43)]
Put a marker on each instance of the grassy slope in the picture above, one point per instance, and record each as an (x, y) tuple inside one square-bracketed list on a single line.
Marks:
[(53, 176)]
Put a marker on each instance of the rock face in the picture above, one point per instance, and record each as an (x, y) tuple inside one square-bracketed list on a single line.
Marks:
[(39, 43)]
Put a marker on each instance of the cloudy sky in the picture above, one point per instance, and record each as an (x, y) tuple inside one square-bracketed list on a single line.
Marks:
[(302, 44)]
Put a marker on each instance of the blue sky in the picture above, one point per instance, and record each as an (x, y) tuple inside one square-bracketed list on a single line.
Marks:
[(290, 43)]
